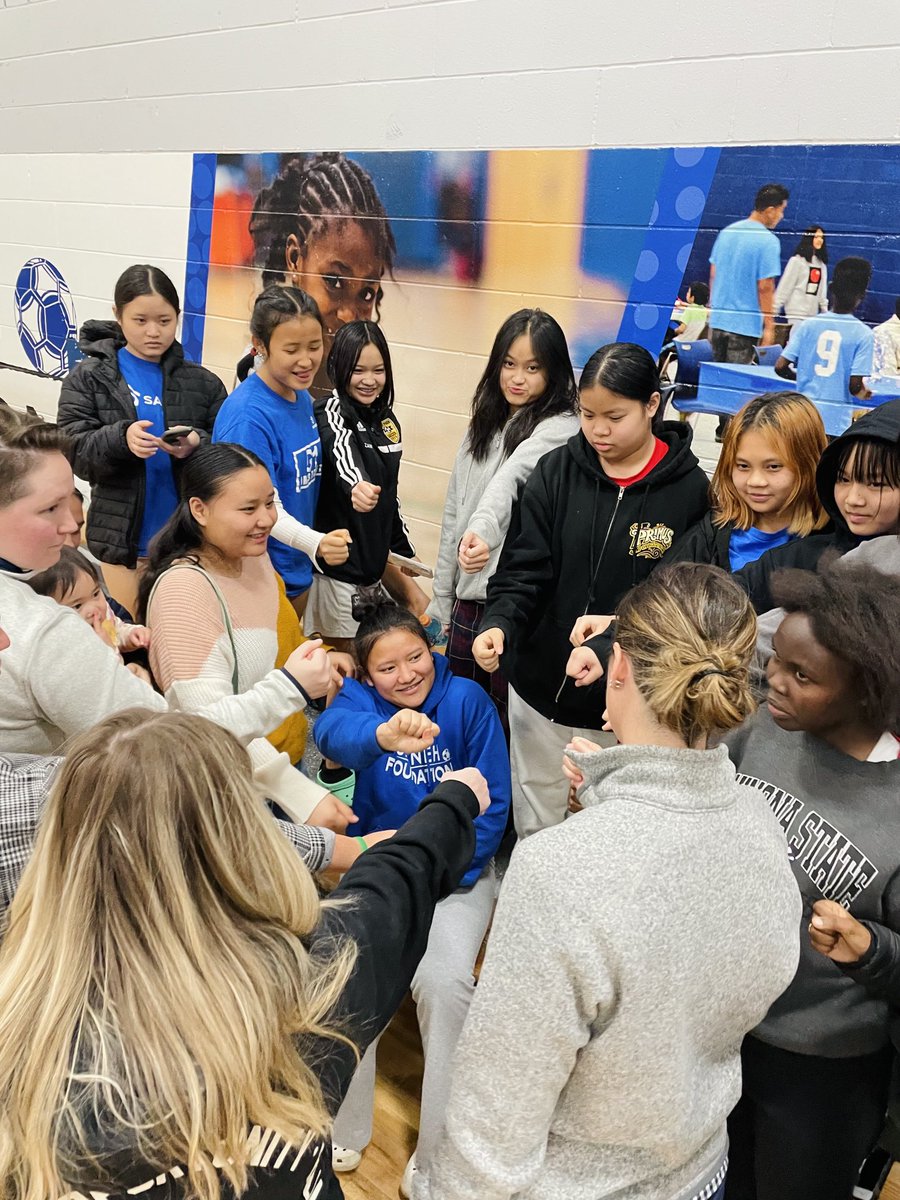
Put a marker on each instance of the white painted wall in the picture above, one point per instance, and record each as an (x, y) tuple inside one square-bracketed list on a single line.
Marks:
[(102, 75)]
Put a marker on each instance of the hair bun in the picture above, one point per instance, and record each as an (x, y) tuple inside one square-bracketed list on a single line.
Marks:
[(370, 601)]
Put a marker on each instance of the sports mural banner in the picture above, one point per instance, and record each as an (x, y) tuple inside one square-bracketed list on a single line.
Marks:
[(442, 246)]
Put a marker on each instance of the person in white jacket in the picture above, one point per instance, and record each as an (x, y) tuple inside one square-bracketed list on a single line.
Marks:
[(58, 678), (803, 288), (601, 1054), (524, 406)]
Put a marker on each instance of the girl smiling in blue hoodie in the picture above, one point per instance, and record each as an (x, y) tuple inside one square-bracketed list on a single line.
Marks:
[(401, 726)]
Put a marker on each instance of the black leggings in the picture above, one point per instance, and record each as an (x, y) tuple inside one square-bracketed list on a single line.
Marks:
[(803, 1124)]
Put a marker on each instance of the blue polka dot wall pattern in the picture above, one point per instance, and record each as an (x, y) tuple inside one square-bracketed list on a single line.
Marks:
[(196, 276), (672, 227)]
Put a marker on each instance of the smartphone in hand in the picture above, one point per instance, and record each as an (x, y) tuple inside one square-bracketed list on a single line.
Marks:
[(174, 435)]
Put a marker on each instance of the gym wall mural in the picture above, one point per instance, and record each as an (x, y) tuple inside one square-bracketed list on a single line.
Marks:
[(443, 245)]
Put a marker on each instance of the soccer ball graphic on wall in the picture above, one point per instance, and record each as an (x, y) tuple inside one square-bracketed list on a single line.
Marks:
[(45, 318)]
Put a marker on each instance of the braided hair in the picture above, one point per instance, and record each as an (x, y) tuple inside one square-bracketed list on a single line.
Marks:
[(308, 191)]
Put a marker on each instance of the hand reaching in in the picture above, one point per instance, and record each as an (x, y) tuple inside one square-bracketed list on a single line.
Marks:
[(836, 934), (473, 779), (364, 496), (584, 666), (473, 553), (311, 667), (487, 649), (407, 732), (589, 626), (334, 547)]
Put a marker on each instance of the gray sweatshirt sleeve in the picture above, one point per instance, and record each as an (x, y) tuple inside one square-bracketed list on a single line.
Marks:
[(766, 626), (490, 520), (506, 1085), (446, 571)]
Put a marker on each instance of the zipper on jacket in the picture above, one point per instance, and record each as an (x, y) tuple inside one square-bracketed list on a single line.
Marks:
[(612, 521)]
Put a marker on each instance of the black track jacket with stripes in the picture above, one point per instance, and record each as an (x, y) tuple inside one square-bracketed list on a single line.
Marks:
[(360, 445)]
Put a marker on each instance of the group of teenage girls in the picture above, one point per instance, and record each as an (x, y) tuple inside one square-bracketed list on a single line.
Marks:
[(679, 854)]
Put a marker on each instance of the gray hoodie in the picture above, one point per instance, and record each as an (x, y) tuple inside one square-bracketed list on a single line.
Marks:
[(633, 947), (480, 497)]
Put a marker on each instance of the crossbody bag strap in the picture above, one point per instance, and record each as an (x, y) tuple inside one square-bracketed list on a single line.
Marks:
[(226, 616)]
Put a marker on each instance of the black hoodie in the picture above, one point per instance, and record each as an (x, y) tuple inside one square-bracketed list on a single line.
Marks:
[(881, 424), (95, 410), (577, 543)]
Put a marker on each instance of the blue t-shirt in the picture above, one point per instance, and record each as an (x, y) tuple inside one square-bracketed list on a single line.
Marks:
[(827, 349), (145, 382), (284, 434), (743, 254), (747, 545)]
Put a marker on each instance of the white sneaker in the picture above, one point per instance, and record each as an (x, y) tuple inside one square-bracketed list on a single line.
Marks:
[(344, 1159), (407, 1181)]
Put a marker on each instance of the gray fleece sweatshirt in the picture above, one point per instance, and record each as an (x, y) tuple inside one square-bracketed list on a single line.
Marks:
[(633, 947), (480, 497)]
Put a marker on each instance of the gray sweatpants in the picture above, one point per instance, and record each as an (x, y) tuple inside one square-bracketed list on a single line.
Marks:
[(442, 989), (540, 791)]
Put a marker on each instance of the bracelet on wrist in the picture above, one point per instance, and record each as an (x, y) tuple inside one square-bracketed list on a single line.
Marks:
[(362, 841)]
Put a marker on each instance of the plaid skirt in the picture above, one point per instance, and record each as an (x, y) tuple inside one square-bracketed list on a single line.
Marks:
[(465, 621)]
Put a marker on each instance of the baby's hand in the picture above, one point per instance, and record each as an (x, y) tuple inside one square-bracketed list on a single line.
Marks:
[(137, 638), (101, 626)]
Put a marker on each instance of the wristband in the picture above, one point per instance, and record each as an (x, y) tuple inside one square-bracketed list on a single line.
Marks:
[(307, 699), (362, 841)]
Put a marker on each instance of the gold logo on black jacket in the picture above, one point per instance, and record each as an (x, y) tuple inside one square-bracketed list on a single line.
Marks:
[(390, 430), (650, 541)]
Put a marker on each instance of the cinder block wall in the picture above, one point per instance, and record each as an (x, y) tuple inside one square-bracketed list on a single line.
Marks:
[(104, 105)]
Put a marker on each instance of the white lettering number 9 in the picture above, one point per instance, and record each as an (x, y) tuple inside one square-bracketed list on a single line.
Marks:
[(828, 347)]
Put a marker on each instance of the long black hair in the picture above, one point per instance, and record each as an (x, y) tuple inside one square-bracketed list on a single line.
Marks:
[(203, 475), (805, 248), (349, 342), (308, 192), (142, 279), (490, 411)]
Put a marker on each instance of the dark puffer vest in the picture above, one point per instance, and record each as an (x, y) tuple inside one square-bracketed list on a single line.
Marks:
[(95, 410)]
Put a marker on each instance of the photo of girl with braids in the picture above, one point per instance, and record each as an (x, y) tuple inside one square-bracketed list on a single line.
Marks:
[(321, 226)]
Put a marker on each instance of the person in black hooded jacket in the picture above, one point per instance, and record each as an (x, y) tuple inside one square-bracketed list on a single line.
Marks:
[(858, 481), (132, 386), (595, 518)]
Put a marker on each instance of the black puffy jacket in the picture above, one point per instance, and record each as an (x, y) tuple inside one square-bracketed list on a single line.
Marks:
[(95, 410)]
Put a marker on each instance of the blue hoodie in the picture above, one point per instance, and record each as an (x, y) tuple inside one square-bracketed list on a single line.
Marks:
[(390, 787)]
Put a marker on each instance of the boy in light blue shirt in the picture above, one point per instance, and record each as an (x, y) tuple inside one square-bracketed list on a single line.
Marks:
[(832, 352)]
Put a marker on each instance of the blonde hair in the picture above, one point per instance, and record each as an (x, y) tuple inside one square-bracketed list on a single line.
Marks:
[(154, 975), (794, 427), (690, 632)]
